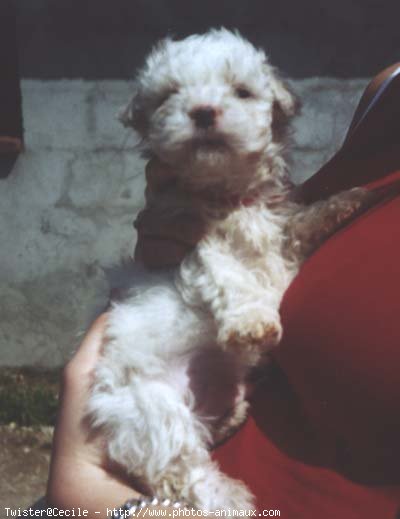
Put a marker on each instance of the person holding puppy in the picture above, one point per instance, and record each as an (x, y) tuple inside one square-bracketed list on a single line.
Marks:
[(322, 438)]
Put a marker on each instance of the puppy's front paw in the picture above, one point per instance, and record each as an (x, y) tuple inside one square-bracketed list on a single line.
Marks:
[(257, 330), (348, 203)]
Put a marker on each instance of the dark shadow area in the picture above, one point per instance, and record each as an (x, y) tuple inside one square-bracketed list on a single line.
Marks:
[(11, 130), (97, 39)]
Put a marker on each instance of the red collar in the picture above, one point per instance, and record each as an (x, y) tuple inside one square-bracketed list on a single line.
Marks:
[(246, 201)]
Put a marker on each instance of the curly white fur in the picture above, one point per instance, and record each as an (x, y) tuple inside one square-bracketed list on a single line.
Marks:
[(213, 108)]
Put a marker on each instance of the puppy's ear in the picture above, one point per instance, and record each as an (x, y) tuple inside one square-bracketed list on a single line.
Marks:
[(285, 106), (125, 115), (132, 116), (287, 102)]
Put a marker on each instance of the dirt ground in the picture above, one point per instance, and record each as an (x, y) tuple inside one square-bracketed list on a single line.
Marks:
[(24, 463)]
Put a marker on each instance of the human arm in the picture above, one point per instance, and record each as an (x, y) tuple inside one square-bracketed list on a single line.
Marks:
[(80, 475)]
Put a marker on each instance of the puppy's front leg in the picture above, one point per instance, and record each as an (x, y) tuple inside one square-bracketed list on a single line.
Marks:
[(248, 319), (312, 225), (243, 301)]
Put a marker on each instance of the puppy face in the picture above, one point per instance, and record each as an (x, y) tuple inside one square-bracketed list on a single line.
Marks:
[(207, 98)]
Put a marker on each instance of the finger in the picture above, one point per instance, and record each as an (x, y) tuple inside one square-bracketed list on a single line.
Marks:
[(89, 349), (77, 377)]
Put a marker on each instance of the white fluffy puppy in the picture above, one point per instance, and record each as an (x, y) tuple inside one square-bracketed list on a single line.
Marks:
[(213, 108)]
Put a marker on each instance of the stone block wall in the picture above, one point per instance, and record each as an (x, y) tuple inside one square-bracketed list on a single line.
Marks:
[(67, 208)]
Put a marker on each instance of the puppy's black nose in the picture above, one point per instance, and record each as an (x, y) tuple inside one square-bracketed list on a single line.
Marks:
[(203, 116)]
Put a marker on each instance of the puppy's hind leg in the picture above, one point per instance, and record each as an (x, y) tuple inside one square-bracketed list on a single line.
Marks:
[(154, 436), (141, 401), (230, 423)]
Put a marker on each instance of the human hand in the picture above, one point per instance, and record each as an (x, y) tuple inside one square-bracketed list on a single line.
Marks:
[(165, 239), (80, 475)]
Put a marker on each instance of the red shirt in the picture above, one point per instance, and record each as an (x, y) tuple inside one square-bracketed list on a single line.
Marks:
[(323, 441)]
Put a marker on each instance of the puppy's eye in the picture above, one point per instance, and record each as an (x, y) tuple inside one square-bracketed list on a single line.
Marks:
[(165, 96), (243, 93)]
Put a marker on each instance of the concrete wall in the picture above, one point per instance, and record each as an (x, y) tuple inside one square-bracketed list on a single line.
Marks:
[(66, 210)]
